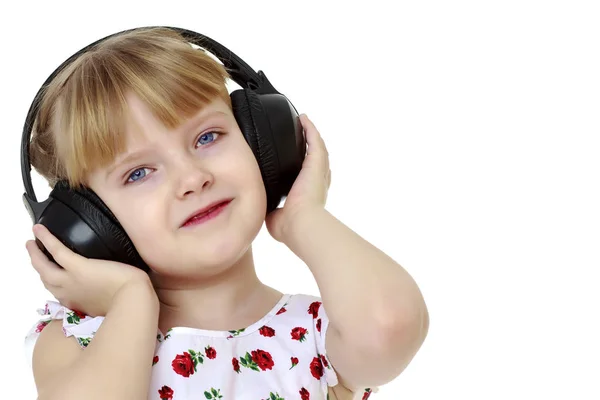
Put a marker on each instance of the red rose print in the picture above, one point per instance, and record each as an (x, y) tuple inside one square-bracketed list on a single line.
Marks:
[(304, 395), (41, 326), (367, 394), (263, 359), (294, 362), (316, 368), (236, 365), (324, 361), (210, 352), (154, 360), (183, 364), (314, 309), (165, 393), (299, 333), (79, 314), (267, 331), (281, 311), (319, 325)]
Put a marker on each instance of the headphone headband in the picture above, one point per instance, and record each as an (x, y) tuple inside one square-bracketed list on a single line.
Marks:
[(239, 71)]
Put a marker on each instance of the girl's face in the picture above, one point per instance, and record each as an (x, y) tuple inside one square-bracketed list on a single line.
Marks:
[(166, 176)]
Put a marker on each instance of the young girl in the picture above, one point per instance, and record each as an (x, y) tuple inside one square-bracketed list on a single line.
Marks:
[(145, 121)]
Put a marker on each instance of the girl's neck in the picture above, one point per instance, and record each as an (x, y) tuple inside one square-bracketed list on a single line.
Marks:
[(234, 298)]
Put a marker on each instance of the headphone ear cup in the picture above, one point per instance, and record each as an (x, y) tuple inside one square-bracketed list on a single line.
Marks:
[(272, 128), (81, 220), (254, 125)]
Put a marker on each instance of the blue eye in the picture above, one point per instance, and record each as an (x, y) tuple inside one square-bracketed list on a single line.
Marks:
[(137, 175), (207, 138)]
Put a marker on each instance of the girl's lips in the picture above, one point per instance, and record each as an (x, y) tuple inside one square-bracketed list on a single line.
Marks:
[(207, 213)]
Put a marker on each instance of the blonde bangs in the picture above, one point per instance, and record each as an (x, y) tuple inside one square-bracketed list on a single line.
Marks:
[(82, 119)]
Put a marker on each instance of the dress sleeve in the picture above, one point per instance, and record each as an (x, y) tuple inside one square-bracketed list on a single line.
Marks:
[(321, 322), (320, 325), (74, 323)]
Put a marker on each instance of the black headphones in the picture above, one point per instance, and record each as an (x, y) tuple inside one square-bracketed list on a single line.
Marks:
[(267, 119)]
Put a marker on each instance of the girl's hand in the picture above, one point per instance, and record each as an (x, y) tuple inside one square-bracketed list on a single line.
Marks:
[(309, 191), (82, 284)]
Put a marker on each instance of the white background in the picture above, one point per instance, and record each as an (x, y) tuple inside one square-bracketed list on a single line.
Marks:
[(464, 142)]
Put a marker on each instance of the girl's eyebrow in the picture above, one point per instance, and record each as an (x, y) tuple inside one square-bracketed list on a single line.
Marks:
[(131, 157), (193, 122), (202, 117)]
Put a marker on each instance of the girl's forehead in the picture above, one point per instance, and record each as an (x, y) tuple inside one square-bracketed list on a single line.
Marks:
[(140, 118), (142, 128)]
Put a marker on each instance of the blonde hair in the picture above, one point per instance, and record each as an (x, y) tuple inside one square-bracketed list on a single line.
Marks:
[(80, 124)]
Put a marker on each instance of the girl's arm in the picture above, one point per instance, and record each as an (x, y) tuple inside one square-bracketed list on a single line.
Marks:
[(118, 360), (378, 318)]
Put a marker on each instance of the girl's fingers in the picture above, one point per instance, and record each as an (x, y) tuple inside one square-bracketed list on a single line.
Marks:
[(61, 254), (313, 136), (50, 273), (316, 144)]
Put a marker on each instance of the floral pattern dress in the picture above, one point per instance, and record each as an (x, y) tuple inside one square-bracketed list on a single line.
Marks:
[(280, 357)]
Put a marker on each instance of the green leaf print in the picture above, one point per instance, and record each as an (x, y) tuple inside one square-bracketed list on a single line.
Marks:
[(247, 362), (275, 396), (213, 394), (84, 341), (237, 333), (73, 318), (198, 358)]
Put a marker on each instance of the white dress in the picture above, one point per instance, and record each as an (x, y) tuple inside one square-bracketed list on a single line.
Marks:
[(280, 357)]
